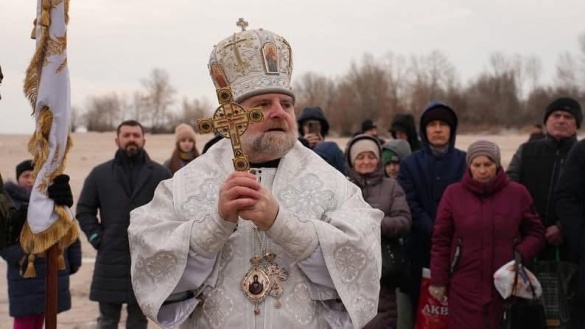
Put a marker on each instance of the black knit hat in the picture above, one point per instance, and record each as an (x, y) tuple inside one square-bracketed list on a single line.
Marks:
[(440, 113), (565, 104), (24, 166), (367, 125)]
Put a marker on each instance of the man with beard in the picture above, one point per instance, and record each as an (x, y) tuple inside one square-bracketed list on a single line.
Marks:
[(115, 188), (292, 220)]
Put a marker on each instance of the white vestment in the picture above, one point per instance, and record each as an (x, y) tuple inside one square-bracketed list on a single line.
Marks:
[(325, 235)]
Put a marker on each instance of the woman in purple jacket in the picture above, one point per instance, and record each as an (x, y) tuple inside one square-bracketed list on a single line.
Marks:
[(480, 222), (381, 192)]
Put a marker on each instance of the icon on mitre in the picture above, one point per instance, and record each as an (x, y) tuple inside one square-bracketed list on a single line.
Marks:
[(270, 56)]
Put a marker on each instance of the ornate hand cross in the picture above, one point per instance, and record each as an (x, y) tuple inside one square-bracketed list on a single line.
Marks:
[(231, 121)]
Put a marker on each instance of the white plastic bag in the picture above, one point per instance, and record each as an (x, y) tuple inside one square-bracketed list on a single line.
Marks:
[(504, 281)]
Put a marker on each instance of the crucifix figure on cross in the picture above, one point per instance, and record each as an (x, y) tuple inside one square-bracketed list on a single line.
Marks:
[(231, 121)]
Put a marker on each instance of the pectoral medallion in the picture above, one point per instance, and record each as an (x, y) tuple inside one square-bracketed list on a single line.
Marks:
[(256, 283), (264, 277)]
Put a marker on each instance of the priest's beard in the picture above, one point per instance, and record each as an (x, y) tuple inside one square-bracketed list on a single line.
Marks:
[(268, 146)]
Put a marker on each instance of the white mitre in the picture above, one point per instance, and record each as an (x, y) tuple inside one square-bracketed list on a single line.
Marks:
[(252, 62)]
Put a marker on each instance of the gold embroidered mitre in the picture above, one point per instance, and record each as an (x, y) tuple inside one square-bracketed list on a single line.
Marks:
[(252, 62)]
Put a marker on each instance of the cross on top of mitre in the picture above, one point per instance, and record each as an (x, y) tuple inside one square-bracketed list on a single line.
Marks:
[(231, 121), (242, 24)]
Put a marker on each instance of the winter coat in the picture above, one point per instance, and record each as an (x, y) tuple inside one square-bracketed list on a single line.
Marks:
[(26, 297), (115, 188), (570, 206), (19, 195), (406, 123), (180, 159), (12, 212), (488, 222), (424, 176), (331, 153), (385, 194), (537, 165), (8, 217)]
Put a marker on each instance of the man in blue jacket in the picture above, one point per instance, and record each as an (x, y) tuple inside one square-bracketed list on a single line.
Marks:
[(424, 175)]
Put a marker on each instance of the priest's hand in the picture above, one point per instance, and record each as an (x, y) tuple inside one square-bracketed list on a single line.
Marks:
[(241, 195)]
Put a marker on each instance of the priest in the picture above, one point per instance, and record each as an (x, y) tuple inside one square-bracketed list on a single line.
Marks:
[(287, 242)]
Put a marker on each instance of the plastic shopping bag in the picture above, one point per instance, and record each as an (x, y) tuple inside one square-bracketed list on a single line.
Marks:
[(504, 281), (430, 313)]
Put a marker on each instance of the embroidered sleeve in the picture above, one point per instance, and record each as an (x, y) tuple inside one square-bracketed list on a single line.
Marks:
[(297, 237), (209, 235)]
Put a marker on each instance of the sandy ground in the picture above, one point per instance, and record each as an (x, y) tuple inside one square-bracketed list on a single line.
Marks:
[(91, 149)]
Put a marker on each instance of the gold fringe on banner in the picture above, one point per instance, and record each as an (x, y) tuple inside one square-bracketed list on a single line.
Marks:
[(65, 230)]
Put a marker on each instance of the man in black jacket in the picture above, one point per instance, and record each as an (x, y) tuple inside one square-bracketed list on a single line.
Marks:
[(538, 164), (570, 207), (115, 188)]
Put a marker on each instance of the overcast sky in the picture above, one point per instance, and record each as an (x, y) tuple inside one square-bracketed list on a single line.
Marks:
[(113, 44)]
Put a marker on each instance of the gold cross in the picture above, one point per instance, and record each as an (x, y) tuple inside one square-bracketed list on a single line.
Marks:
[(242, 24), (231, 121)]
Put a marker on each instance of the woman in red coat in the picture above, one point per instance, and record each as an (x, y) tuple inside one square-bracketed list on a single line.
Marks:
[(480, 222)]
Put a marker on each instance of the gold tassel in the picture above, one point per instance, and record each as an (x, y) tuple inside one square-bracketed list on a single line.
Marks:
[(46, 13), (30, 268), (45, 18), (33, 33), (66, 11), (61, 260), (65, 229)]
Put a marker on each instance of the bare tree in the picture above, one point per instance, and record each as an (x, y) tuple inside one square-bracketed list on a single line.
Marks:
[(104, 113), (362, 94), (430, 76), (566, 78), (396, 70), (158, 98), (314, 89), (138, 108), (193, 110), (582, 48), (533, 71)]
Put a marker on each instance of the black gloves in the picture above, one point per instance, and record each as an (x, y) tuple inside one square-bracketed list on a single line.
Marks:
[(73, 269), (95, 240), (60, 191)]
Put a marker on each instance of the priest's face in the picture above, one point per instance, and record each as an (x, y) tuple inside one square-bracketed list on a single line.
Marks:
[(276, 135)]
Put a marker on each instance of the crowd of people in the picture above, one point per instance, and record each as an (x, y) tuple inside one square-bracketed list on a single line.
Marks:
[(296, 240)]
